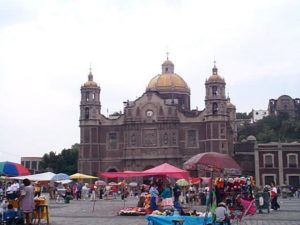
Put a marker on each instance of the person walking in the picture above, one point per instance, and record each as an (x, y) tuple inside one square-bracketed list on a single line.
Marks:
[(274, 195), (154, 195), (37, 189), (51, 189), (93, 192), (176, 193), (79, 190), (27, 200)]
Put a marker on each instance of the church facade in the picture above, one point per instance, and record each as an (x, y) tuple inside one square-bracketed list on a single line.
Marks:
[(157, 127)]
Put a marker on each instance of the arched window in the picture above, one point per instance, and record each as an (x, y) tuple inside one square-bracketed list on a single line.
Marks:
[(133, 140), (137, 113), (191, 138), (292, 160), (214, 90), (269, 160), (166, 138), (87, 96), (215, 108), (112, 141), (174, 138), (87, 113)]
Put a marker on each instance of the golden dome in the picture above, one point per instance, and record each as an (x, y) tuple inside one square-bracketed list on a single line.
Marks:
[(229, 104), (215, 77), (90, 83), (167, 62), (168, 82)]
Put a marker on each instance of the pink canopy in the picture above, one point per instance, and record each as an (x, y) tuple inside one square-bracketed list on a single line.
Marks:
[(168, 170), (163, 169)]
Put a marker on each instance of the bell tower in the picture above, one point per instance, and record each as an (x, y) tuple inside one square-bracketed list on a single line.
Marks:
[(90, 107), (90, 113), (216, 113), (215, 98)]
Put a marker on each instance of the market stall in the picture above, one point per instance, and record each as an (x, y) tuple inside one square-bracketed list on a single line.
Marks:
[(160, 172), (215, 163)]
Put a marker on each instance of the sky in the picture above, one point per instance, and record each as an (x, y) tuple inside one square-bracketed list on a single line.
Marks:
[(47, 47)]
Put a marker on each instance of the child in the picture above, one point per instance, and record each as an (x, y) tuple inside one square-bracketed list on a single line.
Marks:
[(10, 214), (3, 208), (4, 205)]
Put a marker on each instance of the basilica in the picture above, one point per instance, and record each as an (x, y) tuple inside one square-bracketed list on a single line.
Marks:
[(157, 127)]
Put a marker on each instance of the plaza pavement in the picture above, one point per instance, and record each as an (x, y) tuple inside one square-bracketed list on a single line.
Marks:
[(105, 213)]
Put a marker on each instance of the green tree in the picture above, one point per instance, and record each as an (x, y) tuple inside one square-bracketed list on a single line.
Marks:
[(64, 162), (273, 128)]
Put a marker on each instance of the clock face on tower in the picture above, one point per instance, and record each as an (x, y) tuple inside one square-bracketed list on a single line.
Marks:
[(149, 113)]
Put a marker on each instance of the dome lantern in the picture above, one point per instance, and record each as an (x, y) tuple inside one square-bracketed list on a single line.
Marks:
[(167, 66), (215, 76), (90, 82), (215, 69)]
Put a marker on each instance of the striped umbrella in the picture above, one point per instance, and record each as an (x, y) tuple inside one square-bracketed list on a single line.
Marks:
[(13, 169)]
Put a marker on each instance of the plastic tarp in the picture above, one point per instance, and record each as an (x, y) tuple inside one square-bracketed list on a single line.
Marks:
[(47, 176), (167, 220)]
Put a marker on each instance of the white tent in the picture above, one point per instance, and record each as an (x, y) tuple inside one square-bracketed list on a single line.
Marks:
[(37, 177), (64, 181)]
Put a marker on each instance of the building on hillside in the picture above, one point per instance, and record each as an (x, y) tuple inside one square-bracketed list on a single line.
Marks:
[(285, 104), (258, 115), (32, 164), (157, 127), (278, 162)]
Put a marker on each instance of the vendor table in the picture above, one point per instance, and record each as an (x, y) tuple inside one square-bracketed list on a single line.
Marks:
[(41, 210), (170, 220)]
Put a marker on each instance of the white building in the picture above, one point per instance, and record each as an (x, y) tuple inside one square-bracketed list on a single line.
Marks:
[(258, 114)]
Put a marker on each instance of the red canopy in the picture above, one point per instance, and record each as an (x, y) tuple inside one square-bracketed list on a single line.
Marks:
[(163, 169), (213, 161)]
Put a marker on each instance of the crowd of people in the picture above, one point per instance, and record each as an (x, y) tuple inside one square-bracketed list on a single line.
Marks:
[(158, 195), (17, 201)]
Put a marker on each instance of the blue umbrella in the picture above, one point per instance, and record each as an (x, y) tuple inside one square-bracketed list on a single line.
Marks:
[(60, 176)]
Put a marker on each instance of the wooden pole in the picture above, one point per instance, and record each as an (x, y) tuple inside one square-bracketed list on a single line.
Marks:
[(208, 203)]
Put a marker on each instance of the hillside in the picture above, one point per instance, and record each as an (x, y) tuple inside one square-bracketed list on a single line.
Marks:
[(273, 128)]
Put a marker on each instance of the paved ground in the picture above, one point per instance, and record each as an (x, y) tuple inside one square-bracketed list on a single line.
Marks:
[(105, 213)]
